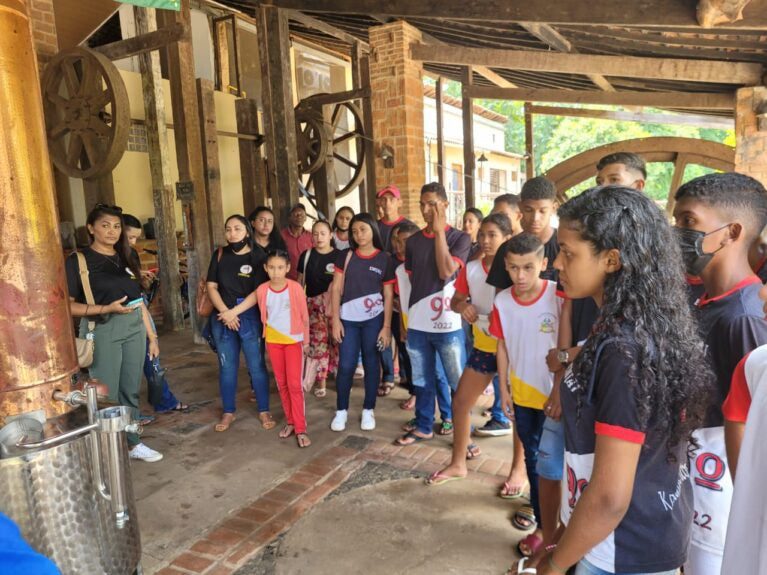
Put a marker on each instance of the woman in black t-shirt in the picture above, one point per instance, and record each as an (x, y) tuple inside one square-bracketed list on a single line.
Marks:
[(265, 235), (122, 322), (235, 272), (315, 272)]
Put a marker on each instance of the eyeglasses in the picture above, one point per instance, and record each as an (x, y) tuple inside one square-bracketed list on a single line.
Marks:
[(117, 209)]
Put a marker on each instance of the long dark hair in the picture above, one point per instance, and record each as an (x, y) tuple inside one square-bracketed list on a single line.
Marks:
[(122, 247), (335, 218), (248, 229), (644, 308), (366, 218), (275, 238)]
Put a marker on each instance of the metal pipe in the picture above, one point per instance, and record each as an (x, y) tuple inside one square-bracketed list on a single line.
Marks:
[(37, 351), (117, 478), (56, 439), (98, 479)]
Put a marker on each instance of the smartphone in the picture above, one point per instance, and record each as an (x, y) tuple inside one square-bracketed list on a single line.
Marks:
[(134, 303)]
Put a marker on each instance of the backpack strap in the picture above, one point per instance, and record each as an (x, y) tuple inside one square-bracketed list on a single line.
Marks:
[(82, 265)]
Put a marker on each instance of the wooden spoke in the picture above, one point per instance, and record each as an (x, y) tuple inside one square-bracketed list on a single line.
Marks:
[(75, 151), (346, 161), (58, 131)]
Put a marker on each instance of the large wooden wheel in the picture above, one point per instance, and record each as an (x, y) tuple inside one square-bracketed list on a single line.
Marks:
[(87, 113), (679, 151), (321, 137)]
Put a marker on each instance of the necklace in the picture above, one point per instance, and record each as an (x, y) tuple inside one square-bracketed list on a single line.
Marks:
[(110, 259)]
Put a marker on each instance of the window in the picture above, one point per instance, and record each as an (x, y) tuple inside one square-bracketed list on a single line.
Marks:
[(233, 35), (496, 187)]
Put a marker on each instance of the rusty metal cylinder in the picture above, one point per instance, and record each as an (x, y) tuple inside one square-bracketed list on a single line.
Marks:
[(37, 351)]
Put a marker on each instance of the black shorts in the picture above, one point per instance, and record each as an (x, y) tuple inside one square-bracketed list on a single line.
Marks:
[(482, 361)]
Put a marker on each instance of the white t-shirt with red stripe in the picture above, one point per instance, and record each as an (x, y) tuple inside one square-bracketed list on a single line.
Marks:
[(745, 549), (472, 282)]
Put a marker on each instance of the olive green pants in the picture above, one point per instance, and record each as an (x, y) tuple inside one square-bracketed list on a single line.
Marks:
[(118, 358)]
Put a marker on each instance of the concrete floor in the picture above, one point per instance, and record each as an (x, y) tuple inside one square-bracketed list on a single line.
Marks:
[(204, 476)]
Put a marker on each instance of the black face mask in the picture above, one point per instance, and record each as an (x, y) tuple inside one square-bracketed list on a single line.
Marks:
[(691, 241), (237, 246)]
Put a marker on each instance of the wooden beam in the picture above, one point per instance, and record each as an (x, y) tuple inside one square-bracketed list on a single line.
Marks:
[(143, 43), (163, 198), (467, 112), (207, 107), (740, 73), (361, 80), (711, 13), (99, 190), (277, 100), (644, 117), (186, 120), (529, 143), (441, 152), (553, 38), (338, 97), (325, 28), (252, 170), (325, 183), (494, 77), (698, 100), (648, 13), (680, 163)]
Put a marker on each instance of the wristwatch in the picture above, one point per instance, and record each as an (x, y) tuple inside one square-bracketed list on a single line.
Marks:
[(563, 357)]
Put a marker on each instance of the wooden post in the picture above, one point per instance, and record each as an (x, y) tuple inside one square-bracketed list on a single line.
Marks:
[(441, 158), (361, 80), (279, 119), (468, 137), (207, 107), (99, 190), (162, 187), (252, 170), (529, 157), (680, 163), (186, 129), (325, 183)]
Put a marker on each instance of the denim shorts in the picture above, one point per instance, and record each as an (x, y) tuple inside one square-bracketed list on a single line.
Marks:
[(551, 450), (586, 568), (482, 361)]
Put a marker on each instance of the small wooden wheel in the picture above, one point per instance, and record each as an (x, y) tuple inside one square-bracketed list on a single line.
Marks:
[(87, 113)]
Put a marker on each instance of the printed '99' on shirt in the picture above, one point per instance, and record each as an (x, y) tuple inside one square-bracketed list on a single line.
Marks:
[(365, 277)]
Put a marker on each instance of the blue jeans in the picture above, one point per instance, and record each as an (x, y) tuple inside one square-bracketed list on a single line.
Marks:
[(228, 345), (529, 428), (405, 371), (424, 348), (496, 412), (359, 337), (387, 365), (168, 400), (586, 568), (551, 450)]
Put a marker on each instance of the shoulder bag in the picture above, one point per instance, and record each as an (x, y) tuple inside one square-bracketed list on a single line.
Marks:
[(204, 304), (85, 346)]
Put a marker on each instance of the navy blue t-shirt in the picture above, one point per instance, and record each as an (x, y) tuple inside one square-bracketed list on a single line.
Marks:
[(385, 229), (364, 279)]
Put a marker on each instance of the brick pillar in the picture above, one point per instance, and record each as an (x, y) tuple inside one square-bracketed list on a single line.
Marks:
[(43, 30), (396, 83), (751, 133)]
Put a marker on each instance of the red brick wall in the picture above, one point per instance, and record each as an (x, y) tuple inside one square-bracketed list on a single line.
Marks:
[(397, 99), (43, 30), (750, 142)]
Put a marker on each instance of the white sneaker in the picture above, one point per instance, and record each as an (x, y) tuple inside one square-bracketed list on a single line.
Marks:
[(359, 373), (339, 421), (145, 453), (368, 420)]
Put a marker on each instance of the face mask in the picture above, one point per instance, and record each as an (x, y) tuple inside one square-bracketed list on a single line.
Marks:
[(693, 256), (237, 246)]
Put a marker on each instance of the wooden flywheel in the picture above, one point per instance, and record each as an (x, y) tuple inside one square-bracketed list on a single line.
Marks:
[(87, 113)]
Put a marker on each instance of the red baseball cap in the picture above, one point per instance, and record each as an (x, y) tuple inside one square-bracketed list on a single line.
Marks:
[(390, 189)]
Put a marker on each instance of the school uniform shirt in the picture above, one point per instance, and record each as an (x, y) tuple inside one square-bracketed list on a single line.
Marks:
[(385, 229), (278, 318), (364, 279), (318, 274), (745, 550), (499, 278), (237, 276), (109, 276), (585, 313), (339, 243), (403, 288), (654, 533), (472, 282), (430, 295), (294, 246), (731, 325), (529, 330)]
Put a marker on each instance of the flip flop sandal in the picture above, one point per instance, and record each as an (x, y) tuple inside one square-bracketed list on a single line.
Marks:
[(221, 426), (410, 425), (181, 407), (521, 569), (385, 388), (473, 451), (437, 478), (403, 441), (446, 428), (524, 518), (287, 431), (267, 421), (507, 487), (320, 392), (408, 404), (533, 544), (303, 440)]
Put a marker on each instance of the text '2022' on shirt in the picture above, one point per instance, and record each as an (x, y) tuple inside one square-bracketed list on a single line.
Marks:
[(654, 533), (430, 295), (364, 278)]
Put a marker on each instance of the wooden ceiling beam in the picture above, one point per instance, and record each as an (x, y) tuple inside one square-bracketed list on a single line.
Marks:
[(144, 43), (739, 73), (648, 13), (644, 117), (550, 36), (698, 100), (325, 28)]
